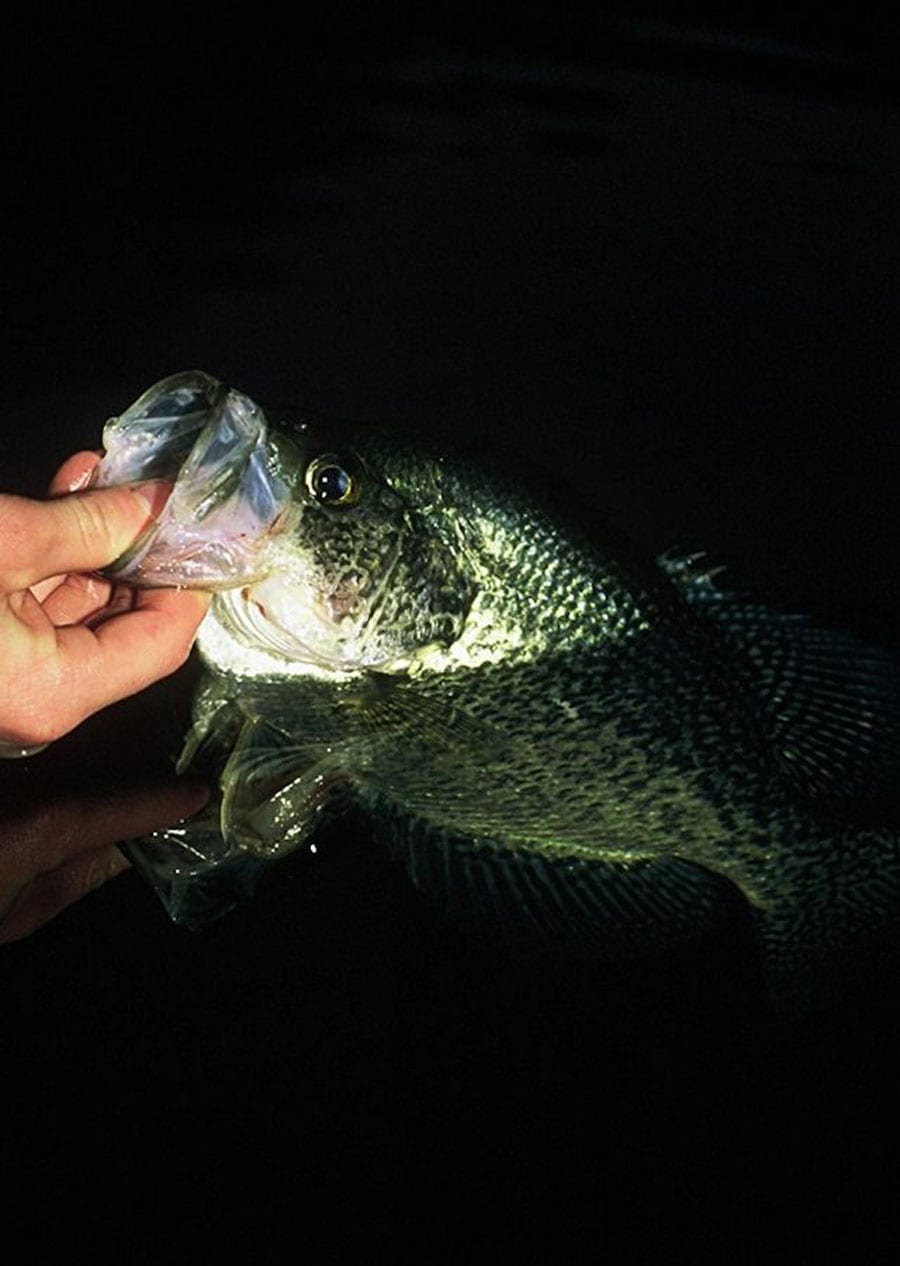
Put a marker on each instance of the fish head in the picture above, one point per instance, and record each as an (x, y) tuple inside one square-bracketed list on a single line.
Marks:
[(361, 577), (323, 553)]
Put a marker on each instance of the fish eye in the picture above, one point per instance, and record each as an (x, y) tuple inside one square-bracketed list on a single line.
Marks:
[(329, 482)]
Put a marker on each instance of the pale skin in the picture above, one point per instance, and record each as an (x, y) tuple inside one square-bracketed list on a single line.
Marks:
[(70, 644)]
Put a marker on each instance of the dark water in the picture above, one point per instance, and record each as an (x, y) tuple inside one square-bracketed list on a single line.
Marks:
[(660, 259)]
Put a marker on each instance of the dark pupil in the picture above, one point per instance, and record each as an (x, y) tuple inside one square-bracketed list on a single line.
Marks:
[(331, 483)]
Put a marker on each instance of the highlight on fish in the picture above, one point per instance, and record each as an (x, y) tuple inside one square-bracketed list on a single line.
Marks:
[(572, 749)]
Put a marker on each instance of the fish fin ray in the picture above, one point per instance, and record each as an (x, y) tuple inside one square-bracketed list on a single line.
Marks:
[(275, 790), (195, 879), (385, 705), (831, 702), (527, 906)]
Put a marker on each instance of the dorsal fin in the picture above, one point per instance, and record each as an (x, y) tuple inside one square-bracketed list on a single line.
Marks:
[(832, 703)]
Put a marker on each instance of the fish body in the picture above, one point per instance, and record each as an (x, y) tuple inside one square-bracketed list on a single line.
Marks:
[(571, 749)]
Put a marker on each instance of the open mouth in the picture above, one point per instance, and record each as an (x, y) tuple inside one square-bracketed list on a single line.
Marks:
[(288, 622), (299, 618), (250, 618), (228, 498)]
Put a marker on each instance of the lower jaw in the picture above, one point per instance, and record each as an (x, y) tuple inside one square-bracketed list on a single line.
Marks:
[(226, 650)]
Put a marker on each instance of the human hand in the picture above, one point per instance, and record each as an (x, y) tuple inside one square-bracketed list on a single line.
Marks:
[(53, 852), (70, 641)]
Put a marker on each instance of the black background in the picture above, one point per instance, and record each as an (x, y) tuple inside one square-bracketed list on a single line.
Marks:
[(658, 257)]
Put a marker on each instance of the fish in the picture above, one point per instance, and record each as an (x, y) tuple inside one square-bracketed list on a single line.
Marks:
[(573, 749)]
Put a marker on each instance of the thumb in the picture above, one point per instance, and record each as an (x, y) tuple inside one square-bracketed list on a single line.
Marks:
[(80, 532)]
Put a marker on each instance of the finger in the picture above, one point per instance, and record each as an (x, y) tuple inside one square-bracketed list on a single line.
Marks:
[(44, 588), (49, 894), (75, 474), (54, 835), (77, 598), (98, 823), (89, 668), (122, 598), (146, 643), (81, 532)]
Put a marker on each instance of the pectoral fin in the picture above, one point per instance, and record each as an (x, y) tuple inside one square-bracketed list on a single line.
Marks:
[(275, 790)]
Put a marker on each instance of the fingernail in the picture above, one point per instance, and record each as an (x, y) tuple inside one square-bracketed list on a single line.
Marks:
[(85, 480), (154, 494)]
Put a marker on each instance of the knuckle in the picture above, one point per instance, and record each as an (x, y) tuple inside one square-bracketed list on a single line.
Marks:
[(91, 525)]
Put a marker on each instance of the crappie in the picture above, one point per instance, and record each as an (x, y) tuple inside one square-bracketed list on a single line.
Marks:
[(569, 747)]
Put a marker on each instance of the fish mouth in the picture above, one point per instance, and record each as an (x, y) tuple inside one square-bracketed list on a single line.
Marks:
[(229, 496), (300, 620), (231, 525), (248, 618)]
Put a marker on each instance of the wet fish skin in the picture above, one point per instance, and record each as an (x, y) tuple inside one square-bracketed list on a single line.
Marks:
[(571, 748)]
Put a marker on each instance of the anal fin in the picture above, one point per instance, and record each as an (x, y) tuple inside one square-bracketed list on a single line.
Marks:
[(532, 907)]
